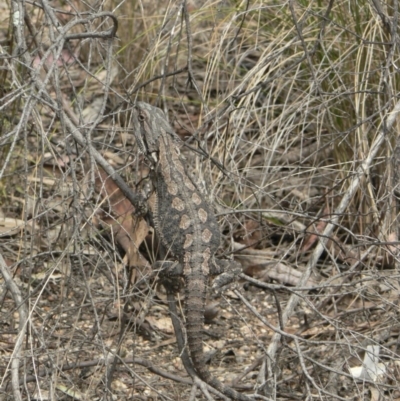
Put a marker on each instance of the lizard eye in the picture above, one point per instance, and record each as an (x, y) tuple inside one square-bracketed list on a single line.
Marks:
[(141, 117)]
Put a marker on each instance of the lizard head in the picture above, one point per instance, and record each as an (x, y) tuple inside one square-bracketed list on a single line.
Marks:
[(149, 123)]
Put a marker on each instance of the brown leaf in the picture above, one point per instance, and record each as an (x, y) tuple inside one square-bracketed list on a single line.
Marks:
[(127, 230), (313, 233), (251, 233), (211, 312), (261, 264)]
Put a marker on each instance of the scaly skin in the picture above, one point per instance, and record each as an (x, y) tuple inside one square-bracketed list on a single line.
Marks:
[(186, 225)]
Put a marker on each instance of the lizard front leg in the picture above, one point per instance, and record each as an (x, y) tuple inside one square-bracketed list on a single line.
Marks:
[(226, 272)]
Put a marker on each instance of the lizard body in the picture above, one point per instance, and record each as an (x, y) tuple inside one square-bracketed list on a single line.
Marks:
[(186, 225)]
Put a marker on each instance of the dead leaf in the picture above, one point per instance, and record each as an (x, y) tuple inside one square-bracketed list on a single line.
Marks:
[(10, 226), (117, 214), (251, 234), (260, 263), (163, 324)]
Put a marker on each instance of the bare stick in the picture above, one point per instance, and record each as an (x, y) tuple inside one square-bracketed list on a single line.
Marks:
[(23, 319)]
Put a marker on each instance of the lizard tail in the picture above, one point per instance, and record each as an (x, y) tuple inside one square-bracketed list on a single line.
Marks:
[(195, 295)]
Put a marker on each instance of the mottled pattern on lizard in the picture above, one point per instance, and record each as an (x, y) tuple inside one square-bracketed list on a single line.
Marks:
[(186, 225)]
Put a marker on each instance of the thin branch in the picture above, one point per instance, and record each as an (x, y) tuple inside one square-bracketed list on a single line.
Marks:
[(23, 319)]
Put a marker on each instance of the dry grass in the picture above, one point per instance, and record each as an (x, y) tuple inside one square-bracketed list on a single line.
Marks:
[(292, 108)]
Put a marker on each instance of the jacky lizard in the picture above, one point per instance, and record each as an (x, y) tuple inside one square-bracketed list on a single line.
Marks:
[(186, 225)]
